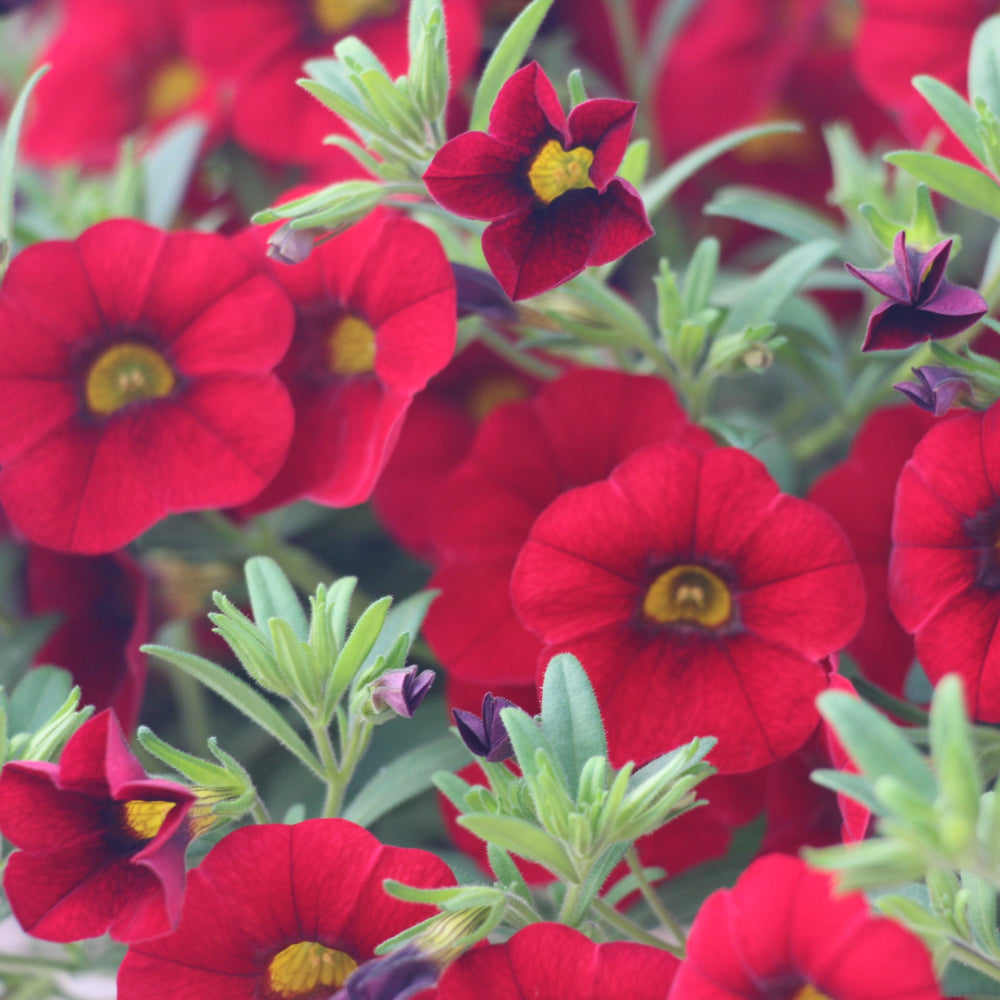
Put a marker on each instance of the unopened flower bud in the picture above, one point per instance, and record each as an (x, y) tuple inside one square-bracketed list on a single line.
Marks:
[(487, 736), (395, 976), (291, 246), (401, 691), (936, 388)]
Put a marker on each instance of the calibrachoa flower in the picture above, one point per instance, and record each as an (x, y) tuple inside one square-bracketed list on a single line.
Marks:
[(283, 912), (922, 304), (552, 962), (782, 933), (546, 184), (135, 369), (575, 431), (944, 572), (374, 320), (859, 493), (698, 598), (101, 844)]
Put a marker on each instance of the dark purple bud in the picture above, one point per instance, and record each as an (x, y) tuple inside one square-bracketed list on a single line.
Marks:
[(395, 976), (922, 304), (402, 690), (487, 736), (479, 292), (935, 388), (290, 246), (7, 6)]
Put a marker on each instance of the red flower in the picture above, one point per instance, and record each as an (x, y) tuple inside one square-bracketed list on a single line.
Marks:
[(282, 912), (944, 573), (375, 318), (859, 494), (103, 604), (551, 962), (135, 367), (256, 50), (698, 598), (546, 184), (117, 67), (780, 932), (102, 845), (575, 431)]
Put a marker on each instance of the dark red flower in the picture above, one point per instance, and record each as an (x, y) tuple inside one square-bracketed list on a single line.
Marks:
[(280, 911), (255, 49), (374, 320), (575, 431), (859, 493), (135, 367), (101, 844), (698, 598), (921, 303), (552, 962), (545, 183), (103, 606), (944, 572), (782, 933), (116, 68)]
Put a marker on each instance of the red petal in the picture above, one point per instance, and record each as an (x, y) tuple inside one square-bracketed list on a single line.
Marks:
[(527, 111)]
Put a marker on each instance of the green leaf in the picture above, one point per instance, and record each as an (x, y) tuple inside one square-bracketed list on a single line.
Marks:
[(882, 229), (772, 211), (242, 697), (757, 300), (420, 13), (167, 169), (984, 64), (507, 56), (570, 719), (406, 617), (699, 278), (852, 785), (982, 911), (577, 91), (201, 772), (875, 744), (954, 111), (521, 838), (39, 695), (635, 163), (272, 596), (8, 167), (661, 187), (507, 873), (527, 739), (359, 644), (405, 778), (963, 184)]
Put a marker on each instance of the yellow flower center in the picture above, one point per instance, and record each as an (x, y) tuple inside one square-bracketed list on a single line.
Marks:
[(351, 347), (555, 170), (335, 16), (493, 391), (809, 992), (305, 968), (141, 820), (172, 87), (688, 594), (127, 373)]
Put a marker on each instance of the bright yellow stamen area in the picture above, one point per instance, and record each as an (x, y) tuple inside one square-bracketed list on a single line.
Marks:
[(351, 347), (301, 968), (555, 170), (171, 88), (142, 820), (489, 393), (127, 373), (688, 594), (809, 992), (338, 15)]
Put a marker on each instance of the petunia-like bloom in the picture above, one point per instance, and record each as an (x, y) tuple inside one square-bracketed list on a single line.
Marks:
[(101, 844), (699, 599), (574, 432), (374, 320), (282, 912), (552, 962), (922, 304), (136, 374), (781, 933), (858, 493), (545, 183), (944, 572)]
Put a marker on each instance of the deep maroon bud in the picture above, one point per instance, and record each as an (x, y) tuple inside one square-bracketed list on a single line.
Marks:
[(487, 736), (395, 976), (402, 690), (479, 292), (936, 388)]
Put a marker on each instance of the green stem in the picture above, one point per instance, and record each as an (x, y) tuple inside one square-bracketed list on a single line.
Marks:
[(619, 922), (335, 783), (653, 900), (569, 912), (21, 965), (503, 348), (969, 954)]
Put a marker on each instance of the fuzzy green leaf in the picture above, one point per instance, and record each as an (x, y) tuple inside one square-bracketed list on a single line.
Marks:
[(984, 64), (954, 111), (954, 180), (521, 838), (272, 596)]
